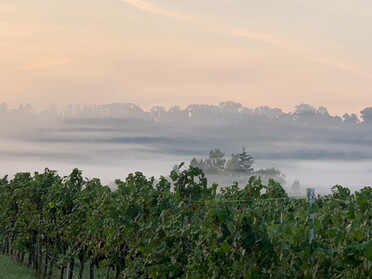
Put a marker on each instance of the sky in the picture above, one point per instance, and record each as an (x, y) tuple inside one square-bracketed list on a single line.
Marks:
[(278, 53)]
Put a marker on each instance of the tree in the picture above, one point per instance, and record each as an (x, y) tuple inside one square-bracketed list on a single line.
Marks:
[(201, 164), (157, 113), (367, 115), (231, 107), (240, 163), (323, 111), (214, 164), (216, 160), (303, 108), (350, 118), (295, 188), (271, 173), (272, 113)]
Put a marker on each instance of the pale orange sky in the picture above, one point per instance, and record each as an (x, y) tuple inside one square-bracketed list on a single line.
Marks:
[(261, 52)]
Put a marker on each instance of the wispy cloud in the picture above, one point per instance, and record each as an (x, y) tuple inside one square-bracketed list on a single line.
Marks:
[(148, 7), (344, 66), (45, 63), (155, 9), (267, 38)]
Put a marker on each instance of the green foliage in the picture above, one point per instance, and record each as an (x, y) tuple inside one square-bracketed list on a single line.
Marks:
[(182, 228)]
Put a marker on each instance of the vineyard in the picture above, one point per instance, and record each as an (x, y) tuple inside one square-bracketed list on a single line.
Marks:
[(179, 227)]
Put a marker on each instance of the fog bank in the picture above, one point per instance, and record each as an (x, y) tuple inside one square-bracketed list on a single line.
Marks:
[(110, 141)]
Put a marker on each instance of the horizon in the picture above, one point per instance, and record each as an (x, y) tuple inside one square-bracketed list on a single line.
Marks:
[(60, 108)]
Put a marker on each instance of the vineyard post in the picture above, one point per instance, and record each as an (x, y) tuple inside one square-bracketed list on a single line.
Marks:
[(310, 192)]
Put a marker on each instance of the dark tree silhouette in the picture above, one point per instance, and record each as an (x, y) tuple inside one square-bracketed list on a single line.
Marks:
[(367, 115), (240, 163)]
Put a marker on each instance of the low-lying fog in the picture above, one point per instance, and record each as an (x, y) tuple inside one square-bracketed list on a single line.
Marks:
[(320, 175), (111, 141)]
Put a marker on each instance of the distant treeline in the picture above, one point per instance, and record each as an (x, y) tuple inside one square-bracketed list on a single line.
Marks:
[(225, 112)]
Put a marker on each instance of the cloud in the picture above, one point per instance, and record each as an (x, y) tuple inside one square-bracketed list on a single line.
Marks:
[(154, 9), (45, 63), (343, 66), (265, 38), (305, 51)]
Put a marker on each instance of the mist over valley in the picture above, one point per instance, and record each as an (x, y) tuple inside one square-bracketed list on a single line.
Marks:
[(110, 141)]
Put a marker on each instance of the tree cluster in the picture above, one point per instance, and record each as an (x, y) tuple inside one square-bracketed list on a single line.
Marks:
[(240, 164)]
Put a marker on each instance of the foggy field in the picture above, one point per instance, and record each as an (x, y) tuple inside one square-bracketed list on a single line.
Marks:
[(110, 141)]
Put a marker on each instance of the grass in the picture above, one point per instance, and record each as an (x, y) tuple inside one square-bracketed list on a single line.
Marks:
[(10, 270)]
